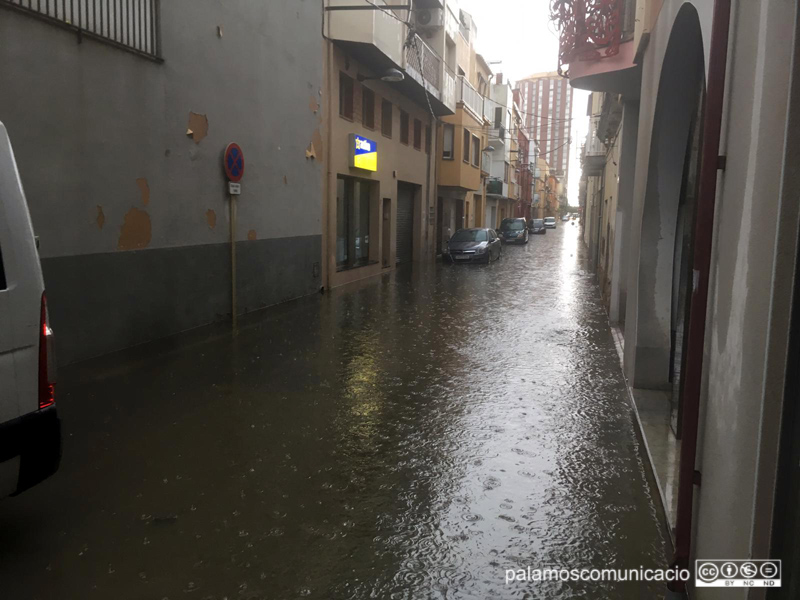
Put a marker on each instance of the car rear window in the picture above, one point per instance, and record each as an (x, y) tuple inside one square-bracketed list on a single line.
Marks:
[(515, 225), (469, 235)]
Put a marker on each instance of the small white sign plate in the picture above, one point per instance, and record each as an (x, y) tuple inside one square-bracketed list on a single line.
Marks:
[(234, 189)]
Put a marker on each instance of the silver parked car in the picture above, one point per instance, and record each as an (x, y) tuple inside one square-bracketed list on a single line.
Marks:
[(474, 245)]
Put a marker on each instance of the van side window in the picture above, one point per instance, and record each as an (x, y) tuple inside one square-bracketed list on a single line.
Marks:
[(2, 273)]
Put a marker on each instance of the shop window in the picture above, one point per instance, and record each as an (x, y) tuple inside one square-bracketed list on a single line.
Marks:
[(476, 151), (467, 138), (368, 108), (403, 127), (417, 134), (352, 223), (386, 118), (345, 96), (448, 142)]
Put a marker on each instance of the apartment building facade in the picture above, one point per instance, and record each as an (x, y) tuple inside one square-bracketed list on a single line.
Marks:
[(524, 167), (499, 110), (547, 113), (461, 179), (119, 121), (385, 89)]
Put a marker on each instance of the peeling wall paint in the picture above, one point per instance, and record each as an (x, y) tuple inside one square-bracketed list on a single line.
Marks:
[(314, 149), (316, 140), (147, 108), (313, 105), (135, 232), (197, 127), (251, 235), (211, 218), (144, 188)]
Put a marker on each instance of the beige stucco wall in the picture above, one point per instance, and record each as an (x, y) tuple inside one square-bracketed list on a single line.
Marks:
[(397, 162), (456, 172), (609, 220)]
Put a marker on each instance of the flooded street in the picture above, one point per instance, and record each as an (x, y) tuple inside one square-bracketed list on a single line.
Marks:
[(412, 436)]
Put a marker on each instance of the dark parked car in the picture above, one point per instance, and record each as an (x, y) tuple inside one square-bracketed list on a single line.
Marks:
[(514, 231), (550, 222), (474, 245), (537, 226)]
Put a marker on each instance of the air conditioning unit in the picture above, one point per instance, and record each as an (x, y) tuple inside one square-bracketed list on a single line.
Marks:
[(427, 19)]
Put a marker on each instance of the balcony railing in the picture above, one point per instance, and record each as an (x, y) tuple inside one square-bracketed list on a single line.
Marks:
[(425, 64), (470, 96), (131, 25), (594, 147), (498, 134), (494, 187), (449, 89), (488, 109), (590, 29), (463, 30)]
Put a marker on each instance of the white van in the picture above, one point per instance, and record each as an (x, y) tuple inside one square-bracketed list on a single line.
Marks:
[(30, 432)]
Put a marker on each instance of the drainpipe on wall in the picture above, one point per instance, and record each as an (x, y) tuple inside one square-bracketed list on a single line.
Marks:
[(704, 226), (326, 162), (432, 156)]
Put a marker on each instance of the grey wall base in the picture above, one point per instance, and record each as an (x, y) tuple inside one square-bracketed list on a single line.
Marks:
[(652, 369), (100, 303)]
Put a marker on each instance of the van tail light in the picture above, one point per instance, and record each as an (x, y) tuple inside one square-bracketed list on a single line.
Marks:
[(47, 367)]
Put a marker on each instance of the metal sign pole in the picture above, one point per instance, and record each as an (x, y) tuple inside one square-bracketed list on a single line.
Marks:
[(233, 165), (233, 258)]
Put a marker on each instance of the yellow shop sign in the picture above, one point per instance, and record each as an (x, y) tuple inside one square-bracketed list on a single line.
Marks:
[(363, 153)]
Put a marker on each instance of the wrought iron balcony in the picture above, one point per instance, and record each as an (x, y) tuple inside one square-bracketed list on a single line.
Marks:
[(590, 29)]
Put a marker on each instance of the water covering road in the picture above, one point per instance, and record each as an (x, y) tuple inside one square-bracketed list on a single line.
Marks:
[(412, 436)]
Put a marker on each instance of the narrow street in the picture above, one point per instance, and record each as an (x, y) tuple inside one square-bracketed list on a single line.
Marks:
[(410, 436)]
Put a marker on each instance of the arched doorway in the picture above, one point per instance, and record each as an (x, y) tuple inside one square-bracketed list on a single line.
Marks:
[(664, 281), (682, 260)]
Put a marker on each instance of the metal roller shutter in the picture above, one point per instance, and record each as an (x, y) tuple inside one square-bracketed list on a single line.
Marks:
[(405, 224)]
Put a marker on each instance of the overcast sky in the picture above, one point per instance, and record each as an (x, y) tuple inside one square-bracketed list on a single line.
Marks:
[(519, 33)]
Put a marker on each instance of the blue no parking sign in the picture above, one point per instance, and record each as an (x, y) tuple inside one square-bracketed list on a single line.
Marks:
[(233, 162)]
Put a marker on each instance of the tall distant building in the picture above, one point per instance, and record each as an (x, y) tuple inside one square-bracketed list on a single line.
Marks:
[(547, 114)]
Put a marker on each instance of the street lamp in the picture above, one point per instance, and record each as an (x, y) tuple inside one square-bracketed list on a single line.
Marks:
[(389, 76)]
